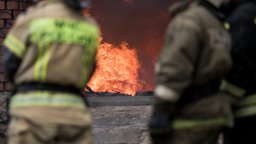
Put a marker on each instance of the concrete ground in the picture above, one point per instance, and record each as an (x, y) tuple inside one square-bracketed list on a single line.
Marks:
[(121, 120), (117, 119)]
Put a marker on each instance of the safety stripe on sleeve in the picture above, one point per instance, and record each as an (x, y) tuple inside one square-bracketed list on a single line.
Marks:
[(200, 124), (15, 45), (232, 89), (247, 101), (46, 99), (246, 111)]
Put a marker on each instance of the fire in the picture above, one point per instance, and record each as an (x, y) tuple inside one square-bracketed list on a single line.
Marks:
[(128, 67), (116, 70)]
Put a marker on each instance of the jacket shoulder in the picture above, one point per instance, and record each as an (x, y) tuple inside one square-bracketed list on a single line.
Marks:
[(189, 18)]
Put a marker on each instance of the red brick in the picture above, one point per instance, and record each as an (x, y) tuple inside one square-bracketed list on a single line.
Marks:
[(1, 49), (5, 31), (1, 23), (2, 5), (2, 33), (8, 23), (2, 86), (2, 78), (8, 86), (1, 41), (4, 14), (1, 68), (16, 13), (24, 5), (12, 5)]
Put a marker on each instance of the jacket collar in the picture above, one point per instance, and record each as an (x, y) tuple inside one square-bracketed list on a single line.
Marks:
[(214, 10)]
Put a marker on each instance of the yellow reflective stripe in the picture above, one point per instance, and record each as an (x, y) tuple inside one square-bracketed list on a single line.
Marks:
[(15, 45), (46, 99), (247, 101), (49, 30), (45, 60), (247, 111), (185, 124), (232, 89), (38, 64), (40, 70), (227, 26)]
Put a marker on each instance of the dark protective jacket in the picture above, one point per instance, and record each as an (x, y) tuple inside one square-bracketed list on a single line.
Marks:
[(196, 55), (243, 74)]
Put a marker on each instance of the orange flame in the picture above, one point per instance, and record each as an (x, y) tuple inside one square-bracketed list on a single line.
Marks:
[(116, 70)]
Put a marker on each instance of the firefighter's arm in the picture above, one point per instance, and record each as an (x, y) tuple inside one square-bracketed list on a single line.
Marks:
[(173, 71), (15, 47), (11, 63), (14, 50), (175, 67)]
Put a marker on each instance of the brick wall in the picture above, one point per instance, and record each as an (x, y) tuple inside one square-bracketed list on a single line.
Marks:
[(9, 10)]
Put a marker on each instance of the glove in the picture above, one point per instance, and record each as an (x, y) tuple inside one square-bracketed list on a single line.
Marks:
[(160, 121)]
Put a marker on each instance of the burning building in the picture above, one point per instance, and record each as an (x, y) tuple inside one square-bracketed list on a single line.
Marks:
[(132, 35)]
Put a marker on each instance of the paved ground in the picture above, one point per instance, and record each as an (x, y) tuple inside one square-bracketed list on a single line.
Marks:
[(3, 117), (118, 119)]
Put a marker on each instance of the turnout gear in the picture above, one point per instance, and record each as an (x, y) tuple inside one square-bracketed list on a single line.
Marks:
[(49, 57), (193, 60), (240, 82), (160, 121), (242, 75)]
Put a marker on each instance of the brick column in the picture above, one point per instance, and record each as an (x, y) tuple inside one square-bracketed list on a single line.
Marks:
[(9, 10)]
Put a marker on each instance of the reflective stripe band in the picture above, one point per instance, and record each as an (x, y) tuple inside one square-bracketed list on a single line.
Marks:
[(248, 101), (46, 99), (15, 45), (166, 93), (227, 26), (232, 89), (246, 107), (186, 124), (49, 30), (247, 111), (40, 70), (255, 20)]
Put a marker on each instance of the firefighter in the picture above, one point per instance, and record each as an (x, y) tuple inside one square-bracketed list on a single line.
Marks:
[(189, 107), (241, 80), (49, 56)]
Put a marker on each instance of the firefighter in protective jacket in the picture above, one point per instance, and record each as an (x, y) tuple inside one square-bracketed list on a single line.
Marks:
[(189, 108), (241, 80), (49, 56)]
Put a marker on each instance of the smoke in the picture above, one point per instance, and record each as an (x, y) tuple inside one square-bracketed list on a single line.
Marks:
[(140, 23)]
